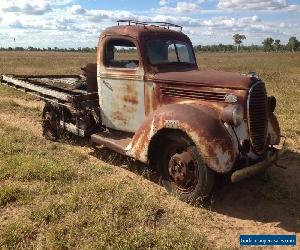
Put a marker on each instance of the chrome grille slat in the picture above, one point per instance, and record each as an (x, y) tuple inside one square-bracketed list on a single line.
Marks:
[(257, 117)]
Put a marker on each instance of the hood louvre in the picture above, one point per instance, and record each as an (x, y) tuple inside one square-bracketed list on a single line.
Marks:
[(192, 94)]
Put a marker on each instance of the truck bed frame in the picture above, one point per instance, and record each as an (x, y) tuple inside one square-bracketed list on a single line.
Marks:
[(53, 88)]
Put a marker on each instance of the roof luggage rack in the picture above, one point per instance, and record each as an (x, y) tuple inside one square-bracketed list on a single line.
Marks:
[(154, 24)]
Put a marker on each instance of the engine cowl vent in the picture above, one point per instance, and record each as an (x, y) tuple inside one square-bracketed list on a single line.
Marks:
[(192, 94), (257, 117)]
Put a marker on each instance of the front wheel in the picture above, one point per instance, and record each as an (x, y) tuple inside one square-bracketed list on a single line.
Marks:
[(184, 173)]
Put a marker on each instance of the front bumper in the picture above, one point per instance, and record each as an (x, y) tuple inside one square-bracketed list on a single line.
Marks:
[(249, 171)]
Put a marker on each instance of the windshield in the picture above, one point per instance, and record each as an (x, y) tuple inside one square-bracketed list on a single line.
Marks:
[(170, 51)]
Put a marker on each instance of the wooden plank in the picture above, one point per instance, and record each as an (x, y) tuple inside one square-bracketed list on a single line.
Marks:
[(38, 89), (47, 76)]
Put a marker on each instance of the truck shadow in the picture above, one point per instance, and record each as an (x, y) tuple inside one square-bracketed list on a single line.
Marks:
[(271, 197), (109, 156)]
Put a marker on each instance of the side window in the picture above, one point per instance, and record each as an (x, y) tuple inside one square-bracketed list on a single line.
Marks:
[(121, 54)]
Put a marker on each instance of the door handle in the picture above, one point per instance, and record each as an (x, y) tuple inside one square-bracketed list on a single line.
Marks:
[(107, 84)]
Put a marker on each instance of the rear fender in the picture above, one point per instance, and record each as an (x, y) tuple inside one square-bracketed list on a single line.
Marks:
[(199, 122)]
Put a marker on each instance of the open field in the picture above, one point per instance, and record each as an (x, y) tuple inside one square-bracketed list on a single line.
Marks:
[(67, 195)]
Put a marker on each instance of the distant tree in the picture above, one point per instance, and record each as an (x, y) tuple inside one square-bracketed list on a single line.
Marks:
[(277, 45), (268, 44), (293, 44), (238, 39), (253, 48)]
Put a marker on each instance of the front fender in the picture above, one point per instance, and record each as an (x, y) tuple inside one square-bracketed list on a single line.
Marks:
[(199, 122), (273, 130)]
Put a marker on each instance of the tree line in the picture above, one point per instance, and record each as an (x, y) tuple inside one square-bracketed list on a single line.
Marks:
[(268, 45)]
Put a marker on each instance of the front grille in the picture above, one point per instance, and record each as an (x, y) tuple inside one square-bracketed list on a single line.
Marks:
[(192, 94), (257, 117)]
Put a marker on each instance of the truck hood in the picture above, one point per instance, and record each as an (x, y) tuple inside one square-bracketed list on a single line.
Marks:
[(212, 78)]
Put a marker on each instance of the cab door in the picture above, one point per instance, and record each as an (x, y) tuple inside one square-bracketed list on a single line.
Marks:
[(121, 85)]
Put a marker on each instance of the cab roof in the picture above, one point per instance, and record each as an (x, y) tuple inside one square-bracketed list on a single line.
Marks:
[(142, 32)]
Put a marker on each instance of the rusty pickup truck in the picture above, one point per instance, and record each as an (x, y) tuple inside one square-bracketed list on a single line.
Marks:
[(147, 99)]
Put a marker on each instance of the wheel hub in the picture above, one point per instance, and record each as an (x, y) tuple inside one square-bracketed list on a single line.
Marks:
[(182, 170), (50, 125), (50, 121)]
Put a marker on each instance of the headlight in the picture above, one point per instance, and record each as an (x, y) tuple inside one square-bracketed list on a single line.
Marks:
[(271, 103), (233, 115)]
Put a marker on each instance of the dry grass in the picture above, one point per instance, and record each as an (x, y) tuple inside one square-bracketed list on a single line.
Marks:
[(43, 62), (66, 195)]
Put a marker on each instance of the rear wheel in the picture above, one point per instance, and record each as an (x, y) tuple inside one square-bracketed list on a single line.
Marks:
[(50, 123), (184, 173)]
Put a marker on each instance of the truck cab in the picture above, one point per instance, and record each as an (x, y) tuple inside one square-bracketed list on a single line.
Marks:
[(128, 57)]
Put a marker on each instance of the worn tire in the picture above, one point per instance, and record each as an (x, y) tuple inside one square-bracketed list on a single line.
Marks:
[(50, 122), (203, 176)]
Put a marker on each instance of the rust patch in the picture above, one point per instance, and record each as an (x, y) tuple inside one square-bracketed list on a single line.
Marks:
[(152, 97), (130, 94)]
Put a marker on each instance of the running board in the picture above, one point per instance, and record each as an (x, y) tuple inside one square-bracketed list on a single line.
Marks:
[(115, 140)]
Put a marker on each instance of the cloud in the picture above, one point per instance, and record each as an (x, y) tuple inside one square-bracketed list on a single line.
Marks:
[(181, 7), (230, 23), (77, 10), (163, 2), (113, 15), (293, 8), (17, 24), (60, 24), (26, 7), (257, 5)]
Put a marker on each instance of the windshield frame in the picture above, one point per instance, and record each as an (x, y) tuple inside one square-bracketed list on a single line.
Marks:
[(174, 42)]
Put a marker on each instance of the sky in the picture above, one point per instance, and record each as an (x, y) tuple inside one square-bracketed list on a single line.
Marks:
[(77, 23)]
